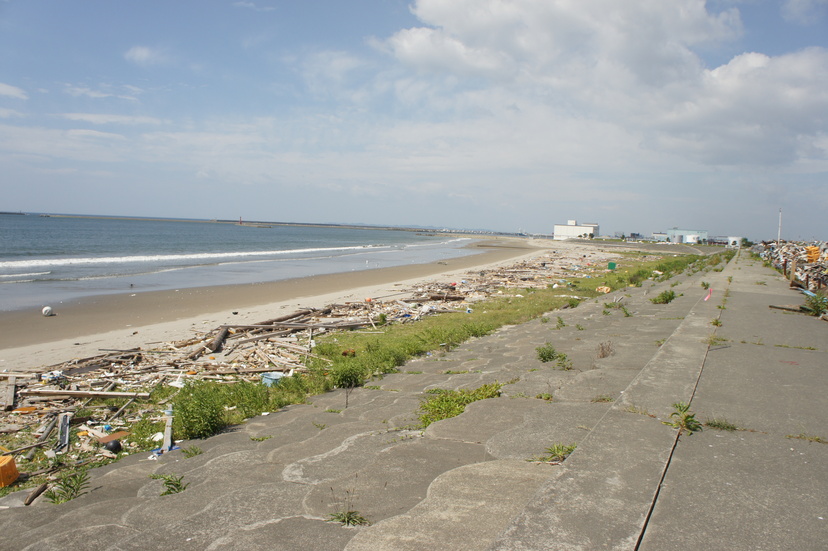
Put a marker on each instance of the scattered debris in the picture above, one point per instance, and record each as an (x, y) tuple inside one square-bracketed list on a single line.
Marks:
[(258, 352)]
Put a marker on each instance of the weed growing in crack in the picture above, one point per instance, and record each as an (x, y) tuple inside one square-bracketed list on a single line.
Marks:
[(68, 487), (683, 420), (172, 484), (602, 398), (555, 453), (808, 437), (346, 514), (192, 451), (720, 424), (546, 353), (665, 297)]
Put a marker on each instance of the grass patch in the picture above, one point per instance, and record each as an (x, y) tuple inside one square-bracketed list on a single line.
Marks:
[(172, 484), (445, 404), (192, 451), (665, 297), (808, 437), (68, 487), (817, 304), (546, 353), (555, 453), (601, 398), (720, 424)]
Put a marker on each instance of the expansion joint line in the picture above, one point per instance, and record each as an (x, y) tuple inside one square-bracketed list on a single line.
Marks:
[(669, 459)]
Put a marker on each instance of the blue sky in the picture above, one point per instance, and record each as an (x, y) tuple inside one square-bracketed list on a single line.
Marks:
[(491, 114)]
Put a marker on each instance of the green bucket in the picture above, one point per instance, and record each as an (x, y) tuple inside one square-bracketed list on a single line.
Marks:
[(611, 265)]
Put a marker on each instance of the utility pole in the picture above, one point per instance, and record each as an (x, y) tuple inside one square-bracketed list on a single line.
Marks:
[(779, 233)]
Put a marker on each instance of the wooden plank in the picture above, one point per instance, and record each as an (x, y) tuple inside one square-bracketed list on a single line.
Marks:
[(83, 393), (7, 396), (19, 375)]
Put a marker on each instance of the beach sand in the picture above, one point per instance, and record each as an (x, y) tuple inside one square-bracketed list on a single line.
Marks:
[(30, 341)]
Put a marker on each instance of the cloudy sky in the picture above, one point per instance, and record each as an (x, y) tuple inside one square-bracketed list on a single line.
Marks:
[(507, 115)]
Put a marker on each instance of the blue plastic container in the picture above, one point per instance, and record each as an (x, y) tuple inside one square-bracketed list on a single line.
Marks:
[(272, 378)]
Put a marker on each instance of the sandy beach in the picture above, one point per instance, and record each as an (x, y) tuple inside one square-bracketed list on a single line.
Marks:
[(29, 341)]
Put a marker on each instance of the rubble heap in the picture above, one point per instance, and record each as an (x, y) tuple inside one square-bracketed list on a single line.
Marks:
[(805, 263)]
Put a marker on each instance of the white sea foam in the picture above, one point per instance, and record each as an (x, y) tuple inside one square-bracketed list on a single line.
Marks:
[(33, 274), (57, 262)]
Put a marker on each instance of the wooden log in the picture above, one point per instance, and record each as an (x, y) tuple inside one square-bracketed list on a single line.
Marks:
[(34, 494), (83, 393), (218, 342)]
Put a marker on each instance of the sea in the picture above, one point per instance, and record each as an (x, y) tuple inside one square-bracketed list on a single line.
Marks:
[(48, 259)]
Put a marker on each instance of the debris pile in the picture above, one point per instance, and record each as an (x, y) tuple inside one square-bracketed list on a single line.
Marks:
[(804, 263)]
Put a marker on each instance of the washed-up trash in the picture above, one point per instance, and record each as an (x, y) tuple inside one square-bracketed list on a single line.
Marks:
[(52, 376), (270, 379)]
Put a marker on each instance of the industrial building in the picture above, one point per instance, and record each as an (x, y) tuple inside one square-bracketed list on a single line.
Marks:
[(677, 235), (573, 230)]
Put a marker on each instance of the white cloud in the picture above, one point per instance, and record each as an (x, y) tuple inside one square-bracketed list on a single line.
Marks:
[(8, 113), (146, 56), (12, 91), (101, 93), (254, 7), (630, 64), (98, 118), (804, 12)]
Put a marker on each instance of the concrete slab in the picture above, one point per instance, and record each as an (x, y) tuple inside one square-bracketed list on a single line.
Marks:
[(742, 491), (465, 509)]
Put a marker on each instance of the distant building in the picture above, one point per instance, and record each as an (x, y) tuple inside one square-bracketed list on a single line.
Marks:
[(573, 230), (677, 235), (659, 236)]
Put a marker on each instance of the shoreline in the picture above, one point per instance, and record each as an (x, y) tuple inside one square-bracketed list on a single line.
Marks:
[(82, 327)]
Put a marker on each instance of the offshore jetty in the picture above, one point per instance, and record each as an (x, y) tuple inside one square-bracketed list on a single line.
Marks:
[(692, 424)]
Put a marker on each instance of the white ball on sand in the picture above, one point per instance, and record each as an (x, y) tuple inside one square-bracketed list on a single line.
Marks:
[(47, 311)]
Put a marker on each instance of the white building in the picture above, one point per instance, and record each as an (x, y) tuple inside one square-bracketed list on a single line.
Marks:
[(573, 230)]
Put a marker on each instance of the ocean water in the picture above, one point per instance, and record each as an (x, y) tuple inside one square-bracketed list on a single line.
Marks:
[(45, 260)]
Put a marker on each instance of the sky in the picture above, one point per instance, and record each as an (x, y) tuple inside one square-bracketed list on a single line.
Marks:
[(503, 115)]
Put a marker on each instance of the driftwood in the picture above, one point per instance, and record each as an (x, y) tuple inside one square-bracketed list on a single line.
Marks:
[(34, 494), (218, 342), (83, 393), (7, 397)]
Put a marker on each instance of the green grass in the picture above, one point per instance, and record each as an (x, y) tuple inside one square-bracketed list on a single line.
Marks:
[(817, 304), (546, 353), (172, 484), (720, 424), (445, 404), (602, 398), (555, 453), (192, 451), (665, 297), (808, 437), (69, 486)]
